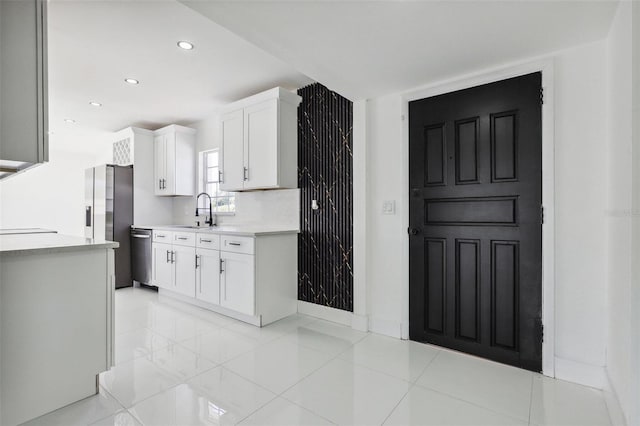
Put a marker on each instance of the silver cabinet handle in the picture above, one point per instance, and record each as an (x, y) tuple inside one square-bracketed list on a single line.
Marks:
[(204, 241), (173, 257), (182, 238), (197, 259), (159, 183), (139, 236), (160, 236), (223, 278), (234, 244), (220, 176), (168, 260), (245, 173)]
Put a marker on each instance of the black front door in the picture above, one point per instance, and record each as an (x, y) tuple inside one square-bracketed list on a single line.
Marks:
[(475, 246)]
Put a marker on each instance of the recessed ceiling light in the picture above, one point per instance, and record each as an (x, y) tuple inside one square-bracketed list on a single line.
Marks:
[(185, 45), (68, 120), (131, 81), (95, 104)]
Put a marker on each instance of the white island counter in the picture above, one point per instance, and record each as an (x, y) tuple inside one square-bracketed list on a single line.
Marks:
[(56, 321)]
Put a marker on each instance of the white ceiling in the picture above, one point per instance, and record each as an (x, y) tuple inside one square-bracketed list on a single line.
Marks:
[(94, 45), (364, 49)]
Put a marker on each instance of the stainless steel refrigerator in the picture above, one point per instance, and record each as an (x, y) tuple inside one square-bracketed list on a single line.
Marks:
[(109, 213)]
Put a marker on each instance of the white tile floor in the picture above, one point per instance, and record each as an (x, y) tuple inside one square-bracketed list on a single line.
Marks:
[(180, 365)]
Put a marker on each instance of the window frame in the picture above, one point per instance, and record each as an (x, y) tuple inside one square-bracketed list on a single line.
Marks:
[(203, 202)]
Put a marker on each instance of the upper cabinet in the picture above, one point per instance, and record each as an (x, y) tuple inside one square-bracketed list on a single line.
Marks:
[(259, 139), (23, 84), (174, 160)]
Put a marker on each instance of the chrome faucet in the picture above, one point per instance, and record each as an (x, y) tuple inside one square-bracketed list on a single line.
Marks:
[(209, 222)]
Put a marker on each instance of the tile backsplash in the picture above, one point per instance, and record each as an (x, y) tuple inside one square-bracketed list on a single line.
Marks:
[(273, 207)]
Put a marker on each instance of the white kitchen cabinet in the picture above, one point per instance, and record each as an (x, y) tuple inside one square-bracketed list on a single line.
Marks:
[(238, 282), (136, 146), (23, 84), (261, 145), (247, 275), (259, 137), (208, 275), (162, 265), (184, 261), (174, 267), (174, 161), (232, 138)]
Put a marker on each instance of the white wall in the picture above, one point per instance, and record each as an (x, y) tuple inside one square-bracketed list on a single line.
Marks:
[(618, 214), (52, 195), (632, 406), (580, 185), (581, 176), (275, 207)]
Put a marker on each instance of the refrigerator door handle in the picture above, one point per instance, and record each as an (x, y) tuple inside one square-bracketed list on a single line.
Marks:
[(87, 216)]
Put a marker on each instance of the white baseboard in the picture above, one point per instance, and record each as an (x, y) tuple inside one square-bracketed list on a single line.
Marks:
[(613, 402), (360, 322), (325, 313), (581, 373), (385, 327), (170, 295)]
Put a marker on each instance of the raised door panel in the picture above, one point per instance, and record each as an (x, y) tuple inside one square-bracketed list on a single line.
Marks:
[(261, 145), (159, 166), (170, 171), (232, 135), (184, 164), (208, 275), (162, 268), (238, 282), (185, 270)]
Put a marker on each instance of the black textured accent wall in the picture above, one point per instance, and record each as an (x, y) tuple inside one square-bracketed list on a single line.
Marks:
[(325, 163)]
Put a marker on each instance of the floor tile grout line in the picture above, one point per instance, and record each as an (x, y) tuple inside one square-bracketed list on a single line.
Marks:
[(260, 344), (426, 366), (411, 386), (221, 365), (475, 404)]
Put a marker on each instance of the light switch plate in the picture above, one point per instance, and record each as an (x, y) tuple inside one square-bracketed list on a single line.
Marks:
[(389, 207)]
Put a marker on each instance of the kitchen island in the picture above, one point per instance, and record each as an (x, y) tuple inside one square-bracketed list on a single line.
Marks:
[(56, 321)]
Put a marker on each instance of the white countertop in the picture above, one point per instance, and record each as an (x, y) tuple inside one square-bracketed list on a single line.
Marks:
[(250, 230), (31, 243)]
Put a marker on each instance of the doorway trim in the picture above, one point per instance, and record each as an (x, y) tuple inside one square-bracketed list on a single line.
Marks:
[(545, 66)]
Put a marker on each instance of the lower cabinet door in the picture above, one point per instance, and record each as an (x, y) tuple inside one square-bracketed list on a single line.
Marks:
[(162, 268), (208, 275), (238, 282), (185, 269)]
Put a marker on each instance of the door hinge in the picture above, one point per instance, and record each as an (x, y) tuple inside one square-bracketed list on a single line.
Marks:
[(541, 215), (541, 95)]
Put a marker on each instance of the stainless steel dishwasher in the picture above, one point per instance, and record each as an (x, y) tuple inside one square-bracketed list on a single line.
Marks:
[(141, 255)]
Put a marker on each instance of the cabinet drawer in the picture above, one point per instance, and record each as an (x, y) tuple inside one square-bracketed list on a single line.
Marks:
[(160, 236), (184, 239), (208, 241), (237, 244)]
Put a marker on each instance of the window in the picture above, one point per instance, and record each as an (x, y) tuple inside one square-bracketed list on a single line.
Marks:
[(221, 201)]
